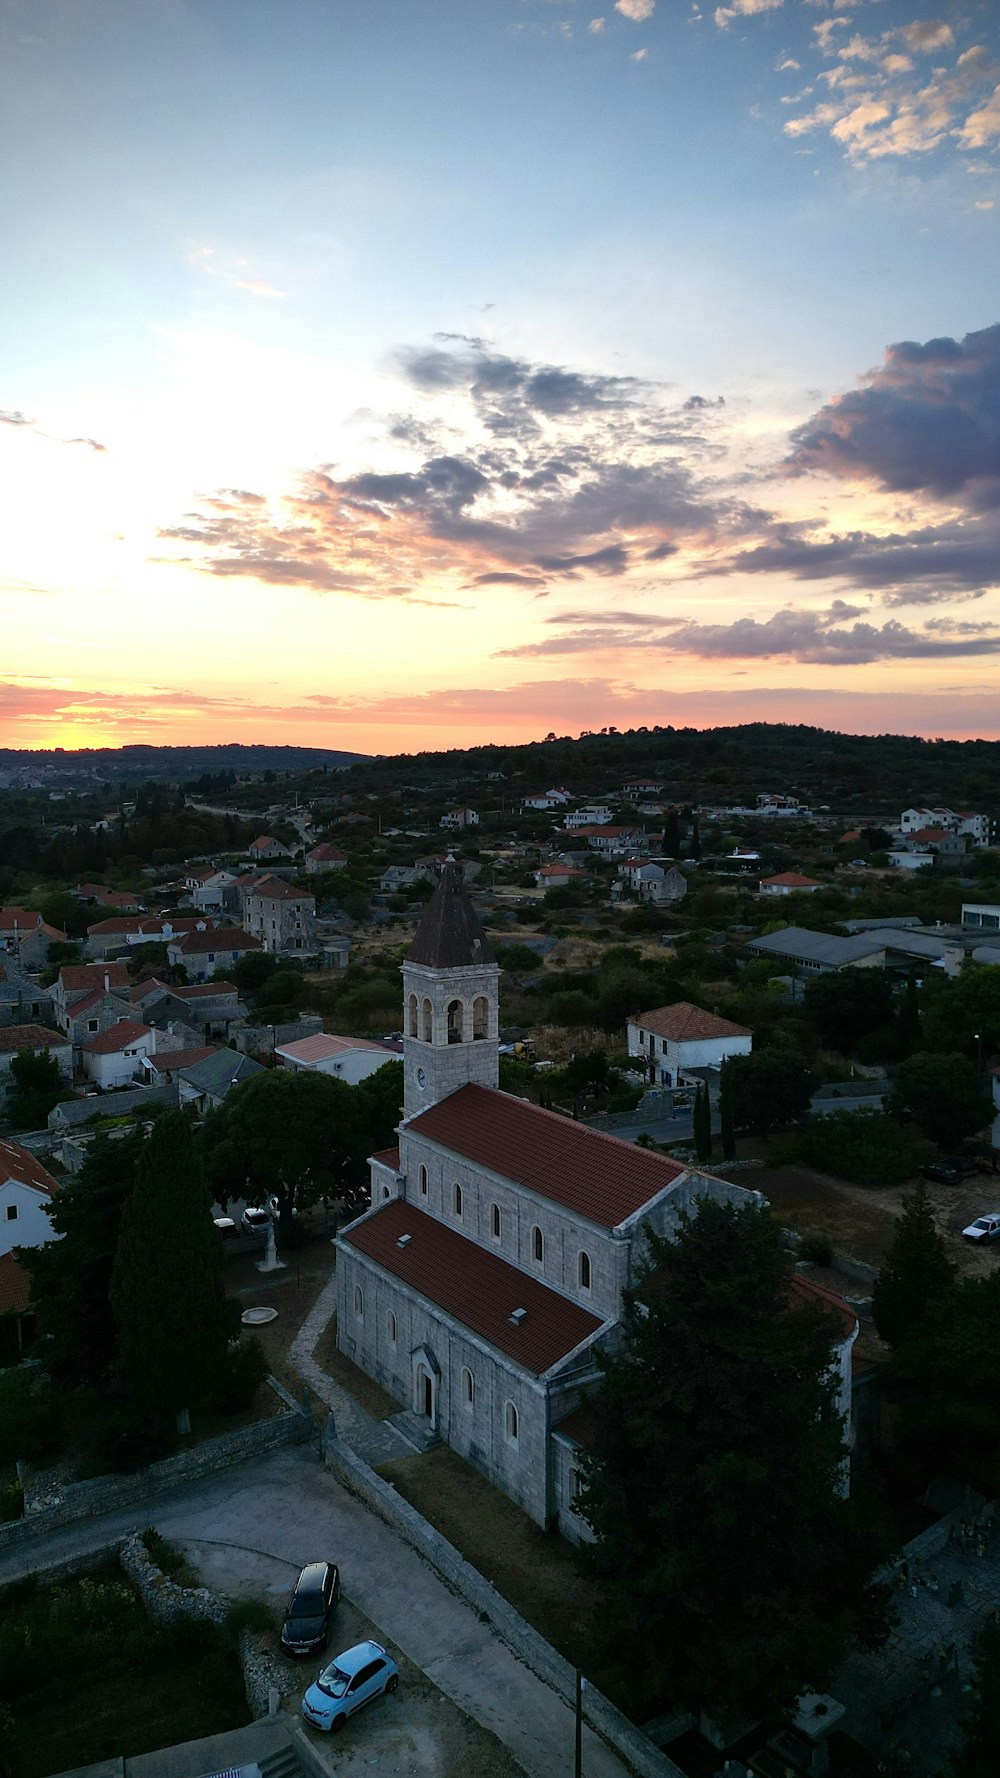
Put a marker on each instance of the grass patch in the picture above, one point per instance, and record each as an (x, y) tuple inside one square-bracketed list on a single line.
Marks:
[(366, 1393), (85, 1676), (535, 1570)]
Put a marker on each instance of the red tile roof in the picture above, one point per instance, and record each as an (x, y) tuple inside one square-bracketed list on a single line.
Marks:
[(686, 1023), (15, 1290), (791, 879), (591, 1173), (276, 889), (85, 977), (107, 1043), (19, 1164), (23, 919), (581, 1425), (388, 1157), (29, 1037), (226, 938), (93, 999), (169, 1060), (803, 1289), (476, 1287), (322, 1045), (326, 851)]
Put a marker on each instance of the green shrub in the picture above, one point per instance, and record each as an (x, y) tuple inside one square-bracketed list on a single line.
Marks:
[(817, 1248), (11, 1501), (168, 1559), (248, 1614), (243, 1371), (127, 1438), (866, 1146)]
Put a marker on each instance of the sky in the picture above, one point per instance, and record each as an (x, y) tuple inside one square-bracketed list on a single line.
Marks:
[(389, 374)]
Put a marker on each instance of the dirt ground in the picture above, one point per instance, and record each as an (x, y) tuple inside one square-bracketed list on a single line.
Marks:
[(291, 1292), (860, 1220)]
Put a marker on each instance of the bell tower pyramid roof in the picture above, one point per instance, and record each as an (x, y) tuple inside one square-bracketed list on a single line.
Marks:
[(449, 935)]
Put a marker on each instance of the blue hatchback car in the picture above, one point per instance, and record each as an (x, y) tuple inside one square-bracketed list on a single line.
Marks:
[(351, 1679)]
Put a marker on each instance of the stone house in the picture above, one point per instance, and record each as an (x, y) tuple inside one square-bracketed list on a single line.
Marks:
[(264, 849), (324, 857), (456, 818), (489, 1269), (280, 916), (203, 954), (673, 1040), (647, 880), (37, 1039), (120, 932), (21, 999), (25, 937), (213, 1009)]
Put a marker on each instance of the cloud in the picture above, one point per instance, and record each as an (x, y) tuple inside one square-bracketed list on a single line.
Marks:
[(982, 126), (596, 25), (636, 10), (744, 9), (927, 34), (929, 564), (838, 636), (638, 55), (14, 418), (233, 270), (927, 421)]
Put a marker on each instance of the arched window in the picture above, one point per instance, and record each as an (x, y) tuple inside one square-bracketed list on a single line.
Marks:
[(359, 1302), (385, 1191), (495, 1222), (458, 1200), (412, 1023), (427, 1021), (480, 1017), (390, 1327), (537, 1245), (455, 1012), (423, 1182), (468, 1387), (585, 1271), (510, 1421)]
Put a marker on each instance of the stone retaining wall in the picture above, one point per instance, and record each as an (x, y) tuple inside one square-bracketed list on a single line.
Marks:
[(105, 1494), (629, 1742)]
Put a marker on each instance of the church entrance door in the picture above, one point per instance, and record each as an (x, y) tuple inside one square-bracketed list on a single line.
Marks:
[(428, 1397)]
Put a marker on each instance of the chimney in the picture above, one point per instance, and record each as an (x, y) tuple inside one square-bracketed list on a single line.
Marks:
[(107, 982)]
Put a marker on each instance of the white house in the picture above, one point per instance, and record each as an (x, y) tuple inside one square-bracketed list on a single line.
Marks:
[(559, 876), (770, 804), (455, 818), (206, 889), (26, 1190), (348, 1058), (914, 821), (981, 916), (592, 815), (903, 858), (547, 799), (789, 882), (660, 884), (671, 1040), (112, 1058)]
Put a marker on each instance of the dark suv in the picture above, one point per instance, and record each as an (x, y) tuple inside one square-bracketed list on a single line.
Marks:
[(307, 1619)]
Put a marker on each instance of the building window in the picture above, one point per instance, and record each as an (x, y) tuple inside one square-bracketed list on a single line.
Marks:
[(585, 1271), (385, 1191), (455, 1021), (412, 1023), (423, 1182), (575, 1484), (93, 1024), (11, 1212), (537, 1245), (510, 1421), (496, 1222), (480, 1017), (468, 1388), (427, 1022), (390, 1327), (359, 1302), (458, 1200)]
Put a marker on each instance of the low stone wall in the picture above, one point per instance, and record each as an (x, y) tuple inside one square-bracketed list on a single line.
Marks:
[(105, 1494), (627, 1741)]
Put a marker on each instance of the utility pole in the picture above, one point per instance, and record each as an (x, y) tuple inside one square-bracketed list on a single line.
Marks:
[(580, 1683)]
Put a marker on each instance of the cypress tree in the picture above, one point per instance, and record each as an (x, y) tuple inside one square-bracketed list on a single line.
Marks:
[(726, 1113), (695, 840), (702, 1121), (172, 1320), (671, 833), (916, 1273)]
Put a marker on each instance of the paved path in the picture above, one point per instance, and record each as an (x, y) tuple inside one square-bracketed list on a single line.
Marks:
[(252, 1527), (376, 1441)]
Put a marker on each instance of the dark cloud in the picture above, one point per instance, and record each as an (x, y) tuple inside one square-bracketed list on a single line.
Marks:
[(612, 560), (508, 579), (927, 422), (956, 560)]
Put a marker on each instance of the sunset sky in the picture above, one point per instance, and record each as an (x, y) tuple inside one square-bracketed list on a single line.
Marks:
[(385, 374)]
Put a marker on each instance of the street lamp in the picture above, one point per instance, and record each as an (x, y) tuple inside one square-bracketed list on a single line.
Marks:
[(979, 1051)]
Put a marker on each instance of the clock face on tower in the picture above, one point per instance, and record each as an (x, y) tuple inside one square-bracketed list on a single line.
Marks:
[(421, 1078)]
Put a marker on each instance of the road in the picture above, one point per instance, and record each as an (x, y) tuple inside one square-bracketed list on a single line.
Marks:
[(250, 1528)]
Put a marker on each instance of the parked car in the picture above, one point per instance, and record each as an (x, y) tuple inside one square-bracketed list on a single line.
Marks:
[(255, 1219), (951, 1170), (985, 1228), (353, 1679), (225, 1227), (315, 1594)]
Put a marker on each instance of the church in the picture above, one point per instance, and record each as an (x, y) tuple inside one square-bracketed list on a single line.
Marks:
[(489, 1269)]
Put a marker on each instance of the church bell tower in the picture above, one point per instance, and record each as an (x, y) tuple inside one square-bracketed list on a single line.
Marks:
[(451, 1000)]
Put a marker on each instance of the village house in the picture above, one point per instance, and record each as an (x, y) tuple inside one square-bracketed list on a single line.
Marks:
[(456, 818), (111, 1059), (79, 982), (282, 917), (36, 1040), (789, 882), (266, 850), (204, 1084), (120, 901), (205, 954), (560, 876), (915, 822), (324, 857), (675, 1041), (121, 932), (647, 880), (591, 815), (21, 999), (206, 889), (26, 1190), (771, 804), (489, 1270), (213, 1009), (544, 800), (347, 1058), (26, 937)]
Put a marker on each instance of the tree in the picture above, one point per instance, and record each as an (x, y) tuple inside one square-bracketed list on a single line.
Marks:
[(694, 850), (733, 1572), (71, 1277), (771, 1088), (172, 1320), (38, 1087), (728, 1127), (964, 1013), (915, 1275), (908, 1025), (847, 1005), (671, 833), (702, 1121), (865, 1146), (252, 970), (946, 1377), (979, 1755), (943, 1094)]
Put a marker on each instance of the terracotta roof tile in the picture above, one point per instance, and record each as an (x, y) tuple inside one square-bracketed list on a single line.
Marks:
[(581, 1425), (29, 1037), (168, 1061), (24, 919), (85, 977), (803, 1289), (18, 1163), (107, 1043), (791, 879), (321, 1045), (685, 1023), (226, 938), (593, 1174), (478, 1288), (15, 1286), (388, 1157)]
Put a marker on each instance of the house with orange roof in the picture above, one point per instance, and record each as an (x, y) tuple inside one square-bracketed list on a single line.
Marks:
[(265, 849), (346, 1058), (674, 1041), (112, 1057), (26, 1191), (26, 937), (789, 882)]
